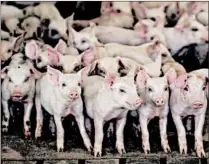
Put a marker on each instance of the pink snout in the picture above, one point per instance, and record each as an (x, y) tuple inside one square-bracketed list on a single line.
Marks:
[(17, 95), (139, 102), (74, 95), (197, 105), (160, 101)]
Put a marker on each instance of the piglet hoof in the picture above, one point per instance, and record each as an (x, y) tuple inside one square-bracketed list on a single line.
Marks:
[(166, 149), (121, 151), (61, 149), (5, 129), (97, 154), (183, 149), (200, 151), (27, 135), (90, 149), (146, 149)]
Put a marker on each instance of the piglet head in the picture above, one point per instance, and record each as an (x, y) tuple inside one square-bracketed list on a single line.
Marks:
[(69, 85)]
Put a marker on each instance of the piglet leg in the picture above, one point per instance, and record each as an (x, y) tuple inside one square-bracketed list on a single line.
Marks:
[(60, 133), (27, 124), (86, 140), (163, 134), (181, 133), (5, 121), (98, 124), (39, 117), (145, 134), (119, 135), (199, 122)]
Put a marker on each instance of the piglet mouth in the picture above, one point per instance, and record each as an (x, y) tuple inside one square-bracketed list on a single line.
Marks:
[(17, 97)]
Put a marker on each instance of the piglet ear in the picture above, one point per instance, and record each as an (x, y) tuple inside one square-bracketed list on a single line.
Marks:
[(110, 80), (171, 75), (31, 50), (4, 72), (141, 79), (87, 57), (139, 9), (61, 46), (17, 42), (54, 56), (53, 75), (143, 28), (181, 81)]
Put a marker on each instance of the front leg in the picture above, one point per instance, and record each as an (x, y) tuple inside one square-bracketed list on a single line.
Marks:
[(145, 133), (181, 133), (27, 124), (199, 122), (98, 124), (163, 134), (86, 140), (39, 117), (119, 135), (5, 121), (60, 133)]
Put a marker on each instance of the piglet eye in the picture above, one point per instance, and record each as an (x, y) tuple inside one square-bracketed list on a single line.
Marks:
[(83, 41), (150, 89), (166, 89), (79, 84), (9, 50), (122, 91), (63, 84), (194, 29), (152, 38), (153, 19), (164, 55), (26, 79), (118, 11), (10, 80), (204, 87)]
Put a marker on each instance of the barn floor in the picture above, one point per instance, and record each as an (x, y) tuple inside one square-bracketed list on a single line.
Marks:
[(15, 148)]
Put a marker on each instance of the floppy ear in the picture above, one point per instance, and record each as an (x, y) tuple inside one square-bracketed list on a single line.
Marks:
[(183, 22), (171, 75), (54, 56), (36, 74), (61, 46), (181, 81), (32, 50), (87, 57), (140, 10), (93, 67), (143, 29), (110, 80), (53, 75), (4, 72), (17, 42), (141, 79)]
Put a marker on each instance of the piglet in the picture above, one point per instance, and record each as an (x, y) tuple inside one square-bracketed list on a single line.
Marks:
[(19, 86), (188, 97), (155, 94), (60, 95), (101, 108)]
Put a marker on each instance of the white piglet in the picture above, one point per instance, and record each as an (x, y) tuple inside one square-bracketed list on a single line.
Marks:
[(19, 86), (101, 108), (155, 94), (60, 95), (188, 97)]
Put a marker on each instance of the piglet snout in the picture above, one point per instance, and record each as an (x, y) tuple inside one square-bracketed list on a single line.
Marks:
[(197, 105), (139, 102), (74, 94), (159, 101)]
